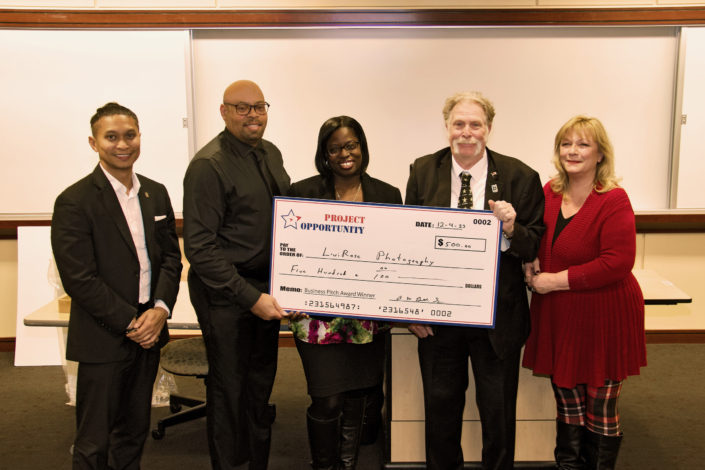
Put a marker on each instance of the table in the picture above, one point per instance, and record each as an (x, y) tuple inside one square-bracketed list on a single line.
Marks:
[(658, 290), (183, 316)]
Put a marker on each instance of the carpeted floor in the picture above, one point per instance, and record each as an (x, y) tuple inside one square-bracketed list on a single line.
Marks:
[(663, 418)]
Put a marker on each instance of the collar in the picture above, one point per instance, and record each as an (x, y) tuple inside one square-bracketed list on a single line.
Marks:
[(118, 186), (329, 185), (241, 147), (478, 170)]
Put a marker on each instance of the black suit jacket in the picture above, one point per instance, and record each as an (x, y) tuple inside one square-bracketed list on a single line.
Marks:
[(373, 190), (516, 183), (99, 268)]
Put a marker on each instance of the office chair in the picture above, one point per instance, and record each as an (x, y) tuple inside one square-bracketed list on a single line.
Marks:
[(186, 357)]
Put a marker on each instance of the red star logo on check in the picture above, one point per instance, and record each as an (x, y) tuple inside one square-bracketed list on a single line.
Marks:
[(290, 219)]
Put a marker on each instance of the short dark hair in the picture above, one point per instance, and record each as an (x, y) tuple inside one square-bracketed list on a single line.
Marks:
[(327, 130), (112, 109)]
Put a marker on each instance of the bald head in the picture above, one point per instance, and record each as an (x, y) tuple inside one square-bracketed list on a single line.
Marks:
[(247, 128), (241, 86)]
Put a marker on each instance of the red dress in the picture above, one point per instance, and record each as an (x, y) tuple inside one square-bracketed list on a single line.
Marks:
[(595, 330)]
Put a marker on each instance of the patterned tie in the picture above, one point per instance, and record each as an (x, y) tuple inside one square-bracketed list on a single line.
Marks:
[(465, 199)]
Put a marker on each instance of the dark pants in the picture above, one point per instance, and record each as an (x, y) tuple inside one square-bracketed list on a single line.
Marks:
[(242, 363), (444, 371), (113, 406)]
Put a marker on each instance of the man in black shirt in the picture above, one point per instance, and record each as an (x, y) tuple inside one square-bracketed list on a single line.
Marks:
[(228, 192)]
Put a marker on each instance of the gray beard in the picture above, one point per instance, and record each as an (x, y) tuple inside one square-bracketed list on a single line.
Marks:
[(456, 149)]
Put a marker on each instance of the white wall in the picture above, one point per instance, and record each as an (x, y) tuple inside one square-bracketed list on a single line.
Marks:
[(395, 81)]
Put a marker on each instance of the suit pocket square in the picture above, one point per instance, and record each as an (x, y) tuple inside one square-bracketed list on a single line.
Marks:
[(157, 218)]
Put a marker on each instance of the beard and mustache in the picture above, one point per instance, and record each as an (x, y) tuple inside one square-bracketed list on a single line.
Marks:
[(457, 142)]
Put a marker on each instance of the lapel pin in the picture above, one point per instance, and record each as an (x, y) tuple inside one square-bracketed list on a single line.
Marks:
[(146, 194), (494, 173), (494, 188)]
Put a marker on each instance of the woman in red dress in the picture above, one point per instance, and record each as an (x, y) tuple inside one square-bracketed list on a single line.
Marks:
[(587, 312)]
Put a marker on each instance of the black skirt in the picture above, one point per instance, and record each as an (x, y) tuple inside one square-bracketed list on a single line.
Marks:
[(336, 368)]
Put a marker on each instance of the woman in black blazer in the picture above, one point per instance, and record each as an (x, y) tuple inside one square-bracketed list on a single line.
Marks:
[(343, 358)]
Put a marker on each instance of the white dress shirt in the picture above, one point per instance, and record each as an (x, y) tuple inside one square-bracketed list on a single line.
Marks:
[(132, 210), (478, 182)]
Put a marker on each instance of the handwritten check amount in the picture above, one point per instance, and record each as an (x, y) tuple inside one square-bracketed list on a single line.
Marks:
[(385, 262)]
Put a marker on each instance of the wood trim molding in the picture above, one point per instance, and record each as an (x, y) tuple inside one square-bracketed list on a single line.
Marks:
[(11, 224), (652, 337), (7, 345), (645, 223), (675, 336), (670, 223), (669, 218), (98, 19)]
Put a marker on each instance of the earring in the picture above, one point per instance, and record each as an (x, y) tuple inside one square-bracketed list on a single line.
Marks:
[(325, 162)]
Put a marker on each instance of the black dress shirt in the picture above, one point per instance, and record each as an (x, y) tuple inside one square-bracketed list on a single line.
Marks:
[(228, 215)]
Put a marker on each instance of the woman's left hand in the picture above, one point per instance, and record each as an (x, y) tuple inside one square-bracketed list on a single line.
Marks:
[(543, 283), (296, 316), (539, 283)]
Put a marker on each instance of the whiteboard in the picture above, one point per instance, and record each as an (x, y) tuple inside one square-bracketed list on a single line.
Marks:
[(52, 83), (394, 81), (692, 154)]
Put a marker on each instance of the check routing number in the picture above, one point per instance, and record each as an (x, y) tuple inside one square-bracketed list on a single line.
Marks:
[(385, 262)]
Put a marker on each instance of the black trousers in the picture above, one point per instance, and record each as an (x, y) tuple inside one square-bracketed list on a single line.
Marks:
[(444, 371), (242, 354), (113, 407)]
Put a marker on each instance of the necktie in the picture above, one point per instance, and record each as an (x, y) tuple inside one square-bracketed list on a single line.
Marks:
[(465, 198), (264, 171)]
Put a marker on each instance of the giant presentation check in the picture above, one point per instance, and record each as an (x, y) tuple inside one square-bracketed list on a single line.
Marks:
[(385, 262)]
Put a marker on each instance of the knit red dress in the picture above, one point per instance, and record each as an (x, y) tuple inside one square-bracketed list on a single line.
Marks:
[(595, 330)]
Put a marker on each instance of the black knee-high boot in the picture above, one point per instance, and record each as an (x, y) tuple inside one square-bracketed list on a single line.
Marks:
[(601, 451), (324, 440), (374, 401), (351, 429), (569, 442)]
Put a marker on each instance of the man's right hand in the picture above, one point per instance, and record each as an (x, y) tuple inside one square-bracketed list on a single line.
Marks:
[(267, 308), (531, 269), (421, 330)]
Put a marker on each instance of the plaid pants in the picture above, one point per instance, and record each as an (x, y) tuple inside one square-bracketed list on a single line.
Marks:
[(593, 407)]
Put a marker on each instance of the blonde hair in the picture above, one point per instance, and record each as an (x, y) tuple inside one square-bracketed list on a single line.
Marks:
[(469, 97), (605, 179)]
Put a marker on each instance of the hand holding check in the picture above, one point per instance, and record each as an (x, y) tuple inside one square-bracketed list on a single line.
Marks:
[(505, 212)]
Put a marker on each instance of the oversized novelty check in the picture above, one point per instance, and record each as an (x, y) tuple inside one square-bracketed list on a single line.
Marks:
[(385, 262)]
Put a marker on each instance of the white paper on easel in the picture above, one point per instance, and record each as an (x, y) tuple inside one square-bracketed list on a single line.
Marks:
[(35, 346)]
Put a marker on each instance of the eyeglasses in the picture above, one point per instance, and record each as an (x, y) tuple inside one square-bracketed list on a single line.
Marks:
[(349, 146), (243, 109)]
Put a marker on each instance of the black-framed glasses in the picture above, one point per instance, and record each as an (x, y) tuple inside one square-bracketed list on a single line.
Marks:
[(243, 109), (349, 146)]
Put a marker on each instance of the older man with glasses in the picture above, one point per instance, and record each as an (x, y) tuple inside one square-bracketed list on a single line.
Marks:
[(228, 192)]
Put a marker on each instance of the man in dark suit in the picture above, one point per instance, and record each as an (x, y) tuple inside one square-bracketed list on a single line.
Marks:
[(228, 192), (469, 175), (114, 240)]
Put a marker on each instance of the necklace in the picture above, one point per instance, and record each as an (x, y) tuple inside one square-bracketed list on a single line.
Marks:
[(356, 194)]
